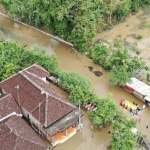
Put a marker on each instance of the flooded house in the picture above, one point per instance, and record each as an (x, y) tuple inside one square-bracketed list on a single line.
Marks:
[(53, 115), (15, 133)]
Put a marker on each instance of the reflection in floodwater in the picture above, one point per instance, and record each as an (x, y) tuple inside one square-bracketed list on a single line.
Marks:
[(88, 139)]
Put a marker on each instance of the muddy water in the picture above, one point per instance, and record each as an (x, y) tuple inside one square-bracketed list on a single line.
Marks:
[(87, 139), (134, 25)]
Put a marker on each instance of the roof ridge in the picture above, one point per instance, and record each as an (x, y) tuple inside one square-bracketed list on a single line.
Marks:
[(14, 132), (5, 96), (17, 73), (31, 141), (44, 90), (34, 75), (46, 109), (30, 80), (62, 101), (28, 67), (42, 68), (38, 106)]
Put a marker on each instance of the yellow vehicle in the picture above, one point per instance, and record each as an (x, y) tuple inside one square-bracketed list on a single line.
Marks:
[(128, 105)]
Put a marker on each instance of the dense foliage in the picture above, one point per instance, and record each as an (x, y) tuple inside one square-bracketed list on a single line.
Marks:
[(71, 80), (78, 22), (14, 58), (75, 21), (117, 59), (106, 112), (121, 135)]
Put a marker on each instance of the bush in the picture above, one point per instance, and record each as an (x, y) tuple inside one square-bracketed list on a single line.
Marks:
[(97, 52), (138, 52), (85, 96), (106, 112), (139, 36), (147, 25), (118, 42), (70, 80)]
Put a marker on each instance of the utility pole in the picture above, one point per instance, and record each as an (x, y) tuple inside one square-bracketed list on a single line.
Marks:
[(80, 125)]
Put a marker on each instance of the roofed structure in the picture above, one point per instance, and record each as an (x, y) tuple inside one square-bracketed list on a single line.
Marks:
[(15, 133), (47, 108), (140, 89)]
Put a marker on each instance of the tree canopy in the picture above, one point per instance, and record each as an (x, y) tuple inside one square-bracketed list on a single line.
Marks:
[(75, 21)]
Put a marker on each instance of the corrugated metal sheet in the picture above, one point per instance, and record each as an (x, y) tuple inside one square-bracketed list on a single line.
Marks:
[(140, 87)]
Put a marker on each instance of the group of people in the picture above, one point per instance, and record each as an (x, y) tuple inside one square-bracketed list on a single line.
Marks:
[(137, 109), (132, 107), (134, 112)]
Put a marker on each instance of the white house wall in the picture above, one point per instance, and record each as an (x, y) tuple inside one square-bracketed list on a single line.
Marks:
[(35, 122)]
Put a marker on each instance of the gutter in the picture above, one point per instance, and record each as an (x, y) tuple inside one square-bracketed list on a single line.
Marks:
[(12, 114)]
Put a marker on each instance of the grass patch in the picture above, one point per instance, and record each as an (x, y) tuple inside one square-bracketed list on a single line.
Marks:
[(138, 52), (147, 25)]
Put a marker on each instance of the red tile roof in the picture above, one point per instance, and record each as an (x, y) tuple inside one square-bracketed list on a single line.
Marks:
[(8, 106), (29, 94), (38, 70), (15, 133)]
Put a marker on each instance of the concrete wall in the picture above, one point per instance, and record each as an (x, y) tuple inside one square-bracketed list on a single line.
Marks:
[(34, 121)]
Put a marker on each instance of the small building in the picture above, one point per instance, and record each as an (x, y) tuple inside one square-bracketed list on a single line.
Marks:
[(138, 89), (15, 133), (53, 115)]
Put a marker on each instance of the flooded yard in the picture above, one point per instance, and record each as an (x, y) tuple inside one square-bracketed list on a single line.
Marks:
[(88, 139)]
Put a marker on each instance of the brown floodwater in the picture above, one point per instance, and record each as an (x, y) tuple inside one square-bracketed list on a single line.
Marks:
[(88, 139)]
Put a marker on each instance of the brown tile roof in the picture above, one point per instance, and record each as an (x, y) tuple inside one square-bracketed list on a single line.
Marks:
[(16, 134), (55, 110), (30, 87), (14, 131), (7, 138), (38, 71), (8, 105)]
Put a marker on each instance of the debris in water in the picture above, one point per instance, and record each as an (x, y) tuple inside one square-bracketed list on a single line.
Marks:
[(98, 73), (90, 68)]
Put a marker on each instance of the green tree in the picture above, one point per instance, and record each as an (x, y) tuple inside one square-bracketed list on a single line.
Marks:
[(72, 80), (119, 76), (112, 6), (122, 137), (14, 58), (105, 113), (85, 95), (97, 52), (8, 70)]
